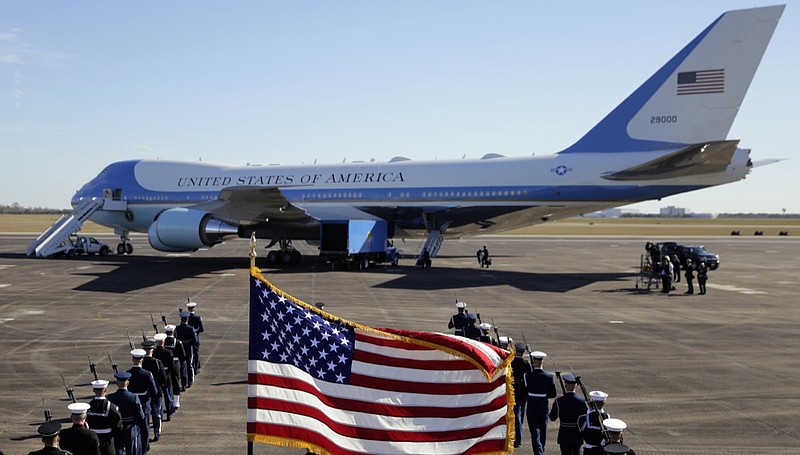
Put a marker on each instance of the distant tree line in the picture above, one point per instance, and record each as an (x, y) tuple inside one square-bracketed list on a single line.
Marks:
[(17, 209), (721, 215)]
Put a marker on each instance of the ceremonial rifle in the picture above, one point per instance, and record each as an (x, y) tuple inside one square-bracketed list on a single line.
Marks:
[(593, 406), (70, 392), (155, 326), (144, 337), (130, 342), (113, 365), (560, 379), (47, 416), (92, 367), (496, 332), (163, 318), (527, 348)]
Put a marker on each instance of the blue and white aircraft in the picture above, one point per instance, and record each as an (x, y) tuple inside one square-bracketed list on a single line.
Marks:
[(668, 137)]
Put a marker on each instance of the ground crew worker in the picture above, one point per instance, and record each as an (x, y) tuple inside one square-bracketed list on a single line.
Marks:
[(172, 384), (589, 424), (459, 320), (485, 336), (567, 408), (129, 441), (196, 321), (179, 358), (186, 334), (540, 386), (156, 368), (103, 418), (142, 385), (50, 439), (519, 368), (78, 439)]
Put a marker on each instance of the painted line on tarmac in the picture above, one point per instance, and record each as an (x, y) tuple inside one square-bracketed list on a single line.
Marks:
[(726, 287)]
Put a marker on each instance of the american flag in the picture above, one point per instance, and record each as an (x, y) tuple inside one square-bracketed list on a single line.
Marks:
[(337, 387), (701, 82)]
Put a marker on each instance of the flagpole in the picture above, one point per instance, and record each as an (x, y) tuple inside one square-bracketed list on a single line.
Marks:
[(253, 249)]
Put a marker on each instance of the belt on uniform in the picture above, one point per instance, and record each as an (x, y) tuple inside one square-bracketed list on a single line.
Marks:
[(589, 446), (141, 394), (538, 395), (102, 430), (569, 425)]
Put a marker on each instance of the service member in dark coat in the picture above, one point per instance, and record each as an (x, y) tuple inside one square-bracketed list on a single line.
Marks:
[(471, 330), (142, 385), (78, 439), (689, 276), (589, 424), (459, 320), (172, 384), (186, 334), (156, 368), (103, 418), (615, 429), (519, 368), (485, 336), (540, 386), (567, 408), (196, 321), (179, 356), (49, 432), (702, 277), (130, 440)]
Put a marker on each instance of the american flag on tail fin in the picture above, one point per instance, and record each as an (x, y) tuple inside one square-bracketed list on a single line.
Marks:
[(320, 382)]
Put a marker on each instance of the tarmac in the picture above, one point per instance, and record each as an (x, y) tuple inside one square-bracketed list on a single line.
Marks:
[(699, 374)]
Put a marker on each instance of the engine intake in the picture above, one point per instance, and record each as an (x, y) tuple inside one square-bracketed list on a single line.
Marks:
[(180, 229)]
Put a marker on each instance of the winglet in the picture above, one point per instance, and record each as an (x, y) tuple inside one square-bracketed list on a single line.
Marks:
[(695, 96)]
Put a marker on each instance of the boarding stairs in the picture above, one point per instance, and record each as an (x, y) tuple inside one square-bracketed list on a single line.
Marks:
[(434, 241), (59, 232)]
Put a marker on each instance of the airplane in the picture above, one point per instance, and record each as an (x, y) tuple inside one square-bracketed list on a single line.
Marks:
[(668, 137)]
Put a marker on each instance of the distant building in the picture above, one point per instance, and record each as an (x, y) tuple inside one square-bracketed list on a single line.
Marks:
[(671, 211), (611, 213)]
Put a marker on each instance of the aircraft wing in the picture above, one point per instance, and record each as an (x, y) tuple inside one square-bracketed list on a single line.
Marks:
[(254, 204), (695, 159)]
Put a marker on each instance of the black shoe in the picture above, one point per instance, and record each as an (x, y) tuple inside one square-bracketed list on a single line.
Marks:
[(154, 439)]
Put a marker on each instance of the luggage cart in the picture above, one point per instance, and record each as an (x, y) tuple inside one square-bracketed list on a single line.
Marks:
[(647, 276)]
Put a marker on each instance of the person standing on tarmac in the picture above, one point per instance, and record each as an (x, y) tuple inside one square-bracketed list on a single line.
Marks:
[(666, 275), (689, 276), (49, 432), (459, 320), (519, 368), (540, 386), (567, 408), (676, 266), (196, 321), (702, 277), (78, 439), (103, 418)]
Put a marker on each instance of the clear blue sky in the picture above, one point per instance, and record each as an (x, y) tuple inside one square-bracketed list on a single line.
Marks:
[(86, 83)]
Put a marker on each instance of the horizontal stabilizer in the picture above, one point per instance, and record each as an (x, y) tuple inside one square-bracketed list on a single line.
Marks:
[(695, 159), (768, 161)]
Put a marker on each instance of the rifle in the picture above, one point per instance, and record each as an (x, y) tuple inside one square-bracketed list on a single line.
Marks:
[(527, 348), (496, 332), (144, 337), (70, 392), (560, 379), (47, 416), (92, 367), (594, 408), (113, 365), (163, 318), (155, 327), (130, 343)]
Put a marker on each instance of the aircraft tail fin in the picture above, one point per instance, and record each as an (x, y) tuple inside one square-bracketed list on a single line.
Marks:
[(695, 96)]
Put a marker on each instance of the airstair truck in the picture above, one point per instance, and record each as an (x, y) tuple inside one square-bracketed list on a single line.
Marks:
[(355, 242)]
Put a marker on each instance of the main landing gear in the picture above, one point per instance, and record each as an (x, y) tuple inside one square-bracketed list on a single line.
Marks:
[(286, 255), (125, 246)]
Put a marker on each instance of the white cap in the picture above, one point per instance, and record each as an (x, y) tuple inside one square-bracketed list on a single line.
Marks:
[(485, 326), (138, 353), (505, 340), (99, 384), (461, 305), (169, 328), (598, 395), (160, 336), (614, 425), (191, 304), (538, 355), (78, 408)]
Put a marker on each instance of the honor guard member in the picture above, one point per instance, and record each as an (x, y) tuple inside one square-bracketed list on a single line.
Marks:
[(471, 330), (615, 428), (49, 432), (179, 358), (459, 320), (172, 384), (505, 343), (519, 368), (589, 424), (78, 439), (540, 386), (197, 323), (485, 336), (156, 368), (186, 334), (129, 441), (103, 418), (567, 408), (142, 385)]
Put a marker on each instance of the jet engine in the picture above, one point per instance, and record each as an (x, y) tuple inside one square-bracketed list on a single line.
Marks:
[(177, 230)]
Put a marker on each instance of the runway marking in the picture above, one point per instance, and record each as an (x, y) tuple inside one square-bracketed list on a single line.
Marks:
[(6, 266), (228, 274), (727, 287), (84, 267), (616, 322), (34, 312), (2, 320), (4, 285)]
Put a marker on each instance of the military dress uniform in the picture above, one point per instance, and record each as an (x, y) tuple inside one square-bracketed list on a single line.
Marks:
[(49, 430), (519, 367), (104, 419), (143, 385), (129, 441), (540, 387), (567, 408), (172, 384), (78, 439), (196, 321), (156, 368), (459, 320), (186, 334), (178, 358), (590, 428), (485, 337)]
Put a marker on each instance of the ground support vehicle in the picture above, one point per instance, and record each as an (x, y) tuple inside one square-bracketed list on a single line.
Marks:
[(359, 243)]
